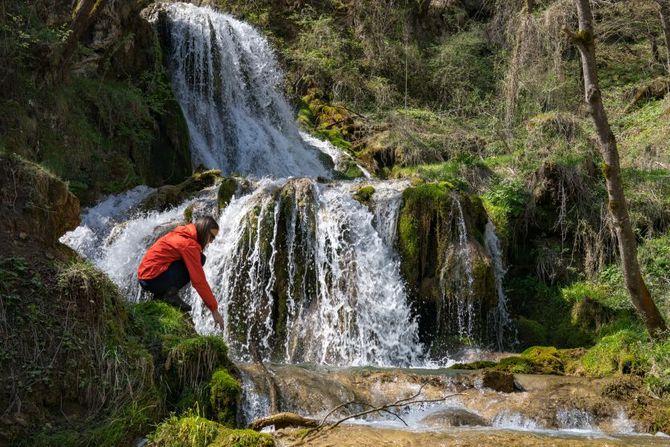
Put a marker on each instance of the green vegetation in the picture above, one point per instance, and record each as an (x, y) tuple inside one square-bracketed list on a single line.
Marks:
[(110, 123), (477, 105), (195, 431), (225, 397), (227, 190)]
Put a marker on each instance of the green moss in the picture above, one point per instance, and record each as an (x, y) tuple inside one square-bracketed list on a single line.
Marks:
[(545, 359), (515, 365), (225, 397), (480, 364), (620, 352), (192, 360), (226, 192), (156, 320), (188, 214), (190, 431), (423, 205), (530, 332), (364, 194), (195, 431)]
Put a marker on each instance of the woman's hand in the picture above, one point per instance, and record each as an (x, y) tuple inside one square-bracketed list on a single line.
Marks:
[(218, 319)]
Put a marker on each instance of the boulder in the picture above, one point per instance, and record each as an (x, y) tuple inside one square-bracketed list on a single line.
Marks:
[(498, 381)]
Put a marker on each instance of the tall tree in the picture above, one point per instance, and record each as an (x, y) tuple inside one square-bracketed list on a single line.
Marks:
[(584, 40), (664, 10)]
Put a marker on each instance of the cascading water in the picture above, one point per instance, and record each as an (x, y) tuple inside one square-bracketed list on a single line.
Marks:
[(304, 272), (225, 77), (457, 276), (501, 318), (306, 277)]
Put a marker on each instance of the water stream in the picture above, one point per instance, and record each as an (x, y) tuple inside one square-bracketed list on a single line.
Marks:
[(304, 272)]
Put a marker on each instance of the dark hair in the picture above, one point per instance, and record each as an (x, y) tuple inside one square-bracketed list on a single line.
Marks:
[(204, 226)]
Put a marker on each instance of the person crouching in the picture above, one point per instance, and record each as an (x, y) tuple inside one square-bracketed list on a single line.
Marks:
[(176, 259)]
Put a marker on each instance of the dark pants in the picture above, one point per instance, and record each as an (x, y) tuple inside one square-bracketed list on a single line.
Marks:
[(175, 277)]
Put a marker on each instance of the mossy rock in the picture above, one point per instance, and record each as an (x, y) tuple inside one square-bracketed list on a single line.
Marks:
[(480, 364), (225, 395), (530, 332), (155, 320), (189, 431), (196, 431), (188, 214), (545, 359), (589, 315), (35, 202), (364, 194), (227, 190), (432, 262), (542, 360), (516, 365), (618, 353), (190, 361), (170, 196)]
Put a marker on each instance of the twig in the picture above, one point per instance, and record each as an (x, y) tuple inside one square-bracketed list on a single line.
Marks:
[(385, 407)]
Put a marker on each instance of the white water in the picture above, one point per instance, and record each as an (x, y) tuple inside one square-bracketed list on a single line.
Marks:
[(350, 309), (303, 272), (225, 77), (457, 277), (502, 322)]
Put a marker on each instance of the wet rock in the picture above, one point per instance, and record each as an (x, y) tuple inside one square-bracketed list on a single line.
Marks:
[(456, 417), (498, 381), (172, 195), (364, 194), (227, 189), (445, 264)]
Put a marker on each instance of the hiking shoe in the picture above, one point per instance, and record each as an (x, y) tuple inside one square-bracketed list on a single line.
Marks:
[(172, 297)]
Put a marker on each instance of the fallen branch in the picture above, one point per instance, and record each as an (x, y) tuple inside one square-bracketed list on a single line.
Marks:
[(411, 400), (283, 420)]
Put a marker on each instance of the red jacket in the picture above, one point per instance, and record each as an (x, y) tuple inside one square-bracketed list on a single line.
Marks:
[(181, 243)]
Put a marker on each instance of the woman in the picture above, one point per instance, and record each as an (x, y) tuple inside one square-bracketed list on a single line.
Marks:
[(175, 260)]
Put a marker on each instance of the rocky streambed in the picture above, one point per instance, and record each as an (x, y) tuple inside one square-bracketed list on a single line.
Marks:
[(455, 408)]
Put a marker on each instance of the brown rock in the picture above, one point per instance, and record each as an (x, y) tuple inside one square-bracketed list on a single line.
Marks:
[(498, 381)]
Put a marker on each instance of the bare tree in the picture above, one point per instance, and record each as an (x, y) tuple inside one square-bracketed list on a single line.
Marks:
[(637, 289), (664, 10)]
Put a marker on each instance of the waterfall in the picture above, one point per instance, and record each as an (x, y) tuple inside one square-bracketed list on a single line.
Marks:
[(386, 202), (457, 279), (302, 274), (501, 317), (225, 77), (306, 277)]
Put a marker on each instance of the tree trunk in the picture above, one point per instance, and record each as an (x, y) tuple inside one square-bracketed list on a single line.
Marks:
[(664, 9), (617, 203), (283, 420)]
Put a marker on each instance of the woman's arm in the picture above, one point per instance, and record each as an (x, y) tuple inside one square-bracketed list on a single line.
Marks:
[(191, 257)]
